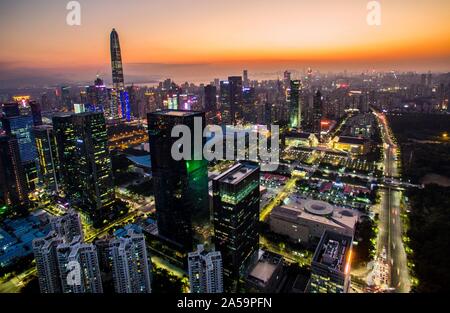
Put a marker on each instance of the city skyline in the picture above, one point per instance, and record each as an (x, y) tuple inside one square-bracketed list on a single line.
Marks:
[(220, 40)]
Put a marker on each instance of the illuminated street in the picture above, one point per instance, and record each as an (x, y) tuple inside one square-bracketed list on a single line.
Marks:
[(390, 226)]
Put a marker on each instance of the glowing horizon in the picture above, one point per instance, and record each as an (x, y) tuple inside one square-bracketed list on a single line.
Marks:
[(261, 33)]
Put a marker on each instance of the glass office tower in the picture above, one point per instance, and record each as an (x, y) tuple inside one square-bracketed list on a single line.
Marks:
[(85, 163), (236, 198), (181, 187)]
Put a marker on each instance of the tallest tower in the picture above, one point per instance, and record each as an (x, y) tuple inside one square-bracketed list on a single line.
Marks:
[(120, 98), (116, 62)]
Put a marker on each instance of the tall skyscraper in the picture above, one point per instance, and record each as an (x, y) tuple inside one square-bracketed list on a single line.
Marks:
[(47, 263), (246, 80), (36, 112), (236, 198), (120, 98), (84, 255), (116, 62), (47, 152), (236, 98), (295, 110), (66, 99), (210, 98), (205, 271), (317, 114), (13, 189), (22, 127), (330, 267), (225, 101), (181, 187), (287, 79), (85, 163), (130, 264), (68, 227)]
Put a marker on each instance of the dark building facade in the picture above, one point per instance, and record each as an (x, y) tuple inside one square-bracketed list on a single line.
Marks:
[(317, 114), (236, 198), (13, 189), (181, 187), (210, 98)]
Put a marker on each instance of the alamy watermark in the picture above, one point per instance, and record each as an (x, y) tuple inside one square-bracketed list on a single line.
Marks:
[(235, 144), (374, 14), (73, 17)]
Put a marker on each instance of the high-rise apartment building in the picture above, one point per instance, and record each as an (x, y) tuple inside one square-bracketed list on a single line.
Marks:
[(79, 267), (130, 264), (68, 227), (205, 271), (47, 262)]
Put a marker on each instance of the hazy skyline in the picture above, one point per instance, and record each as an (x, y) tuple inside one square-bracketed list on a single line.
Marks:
[(203, 39)]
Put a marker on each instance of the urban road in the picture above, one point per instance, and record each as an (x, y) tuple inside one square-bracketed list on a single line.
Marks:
[(390, 236)]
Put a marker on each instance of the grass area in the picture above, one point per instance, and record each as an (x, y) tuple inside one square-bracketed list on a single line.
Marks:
[(429, 233)]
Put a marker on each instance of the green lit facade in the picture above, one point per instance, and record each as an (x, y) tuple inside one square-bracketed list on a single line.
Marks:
[(85, 163), (236, 198), (180, 187)]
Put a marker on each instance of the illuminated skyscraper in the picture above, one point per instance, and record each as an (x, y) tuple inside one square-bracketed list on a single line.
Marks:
[(47, 156), (85, 163), (236, 98), (116, 62), (13, 189), (120, 98), (317, 114), (295, 110), (236, 198), (205, 271), (181, 187), (22, 127)]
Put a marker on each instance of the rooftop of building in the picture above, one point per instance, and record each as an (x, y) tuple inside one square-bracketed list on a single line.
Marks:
[(352, 140), (264, 269), (316, 211), (237, 173), (176, 113), (334, 251), (299, 135)]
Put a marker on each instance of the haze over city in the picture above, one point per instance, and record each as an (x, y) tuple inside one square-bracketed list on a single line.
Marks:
[(198, 40)]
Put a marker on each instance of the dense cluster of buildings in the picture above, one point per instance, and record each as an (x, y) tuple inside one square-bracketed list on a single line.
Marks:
[(67, 264), (67, 154)]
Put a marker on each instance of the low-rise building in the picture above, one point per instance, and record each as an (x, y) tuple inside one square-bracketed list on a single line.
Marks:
[(304, 221), (266, 274), (330, 267), (352, 145)]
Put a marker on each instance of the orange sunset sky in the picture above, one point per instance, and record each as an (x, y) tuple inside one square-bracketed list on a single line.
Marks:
[(262, 35)]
